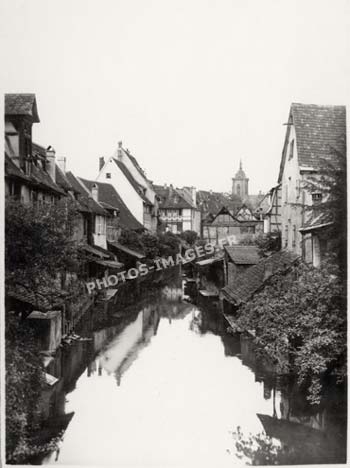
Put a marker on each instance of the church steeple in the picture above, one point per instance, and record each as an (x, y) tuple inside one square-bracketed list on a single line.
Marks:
[(240, 183)]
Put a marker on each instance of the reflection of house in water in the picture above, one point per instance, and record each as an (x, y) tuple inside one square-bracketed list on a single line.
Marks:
[(124, 349), (172, 293)]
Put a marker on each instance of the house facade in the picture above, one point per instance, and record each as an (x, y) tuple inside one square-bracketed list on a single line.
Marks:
[(225, 224), (178, 210), (30, 170), (269, 210), (129, 180), (312, 133)]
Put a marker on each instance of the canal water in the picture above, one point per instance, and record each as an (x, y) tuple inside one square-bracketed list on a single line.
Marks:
[(163, 384)]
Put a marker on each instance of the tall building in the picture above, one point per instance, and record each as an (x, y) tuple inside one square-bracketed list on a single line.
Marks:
[(240, 183)]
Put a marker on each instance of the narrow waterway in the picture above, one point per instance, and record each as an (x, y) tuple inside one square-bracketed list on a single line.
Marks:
[(165, 386)]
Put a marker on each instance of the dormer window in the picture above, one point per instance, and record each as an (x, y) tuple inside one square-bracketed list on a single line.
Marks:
[(108, 175)]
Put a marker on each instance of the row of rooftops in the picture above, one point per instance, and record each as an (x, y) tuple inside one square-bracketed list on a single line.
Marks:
[(61, 183), (318, 129)]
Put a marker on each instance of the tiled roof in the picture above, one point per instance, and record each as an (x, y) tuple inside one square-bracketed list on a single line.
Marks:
[(243, 254), (211, 202), (38, 177), (317, 221), (21, 104), (187, 196), (11, 170), (43, 179), (135, 163), (138, 187), (318, 130), (253, 201), (171, 197), (84, 197), (108, 194), (127, 250), (62, 180), (249, 282), (43, 299), (96, 251)]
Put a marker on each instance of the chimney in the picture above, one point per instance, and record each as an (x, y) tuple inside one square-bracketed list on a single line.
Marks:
[(194, 196), (94, 192), (101, 163), (61, 163), (51, 160), (120, 153)]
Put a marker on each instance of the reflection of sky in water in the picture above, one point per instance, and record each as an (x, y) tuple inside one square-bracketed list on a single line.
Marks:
[(178, 398)]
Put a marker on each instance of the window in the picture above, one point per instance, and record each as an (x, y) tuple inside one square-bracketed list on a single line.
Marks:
[(286, 194), (294, 236), (316, 198), (238, 190), (291, 150), (286, 235), (108, 175)]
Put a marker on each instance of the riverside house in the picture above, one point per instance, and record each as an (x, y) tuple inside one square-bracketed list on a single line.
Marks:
[(313, 133), (135, 189), (178, 210), (224, 224)]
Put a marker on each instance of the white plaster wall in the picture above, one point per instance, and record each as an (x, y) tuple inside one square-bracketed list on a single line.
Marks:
[(127, 192), (291, 215), (150, 193)]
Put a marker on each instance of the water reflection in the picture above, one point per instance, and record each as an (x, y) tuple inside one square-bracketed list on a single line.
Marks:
[(166, 384)]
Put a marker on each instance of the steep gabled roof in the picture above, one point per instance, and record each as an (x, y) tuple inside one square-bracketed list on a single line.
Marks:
[(11, 170), (107, 194), (138, 187), (171, 198), (38, 176), (319, 130), (62, 180), (243, 254), (210, 202), (84, 197), (21, 104), (249, 282)]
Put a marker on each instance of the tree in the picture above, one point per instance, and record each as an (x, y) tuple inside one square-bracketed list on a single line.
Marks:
[(38, 246), (299, 320), (150, 244), (267, 243), (131, 239), (39, 242), (189, 236)]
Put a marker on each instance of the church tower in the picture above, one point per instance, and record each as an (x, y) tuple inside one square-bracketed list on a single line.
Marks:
[(240, 183)]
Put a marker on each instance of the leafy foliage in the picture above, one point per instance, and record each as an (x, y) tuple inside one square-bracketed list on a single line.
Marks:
[(151, 244), (24, 383), (189, 236), (38, 241), (300, 323), (267, 243)]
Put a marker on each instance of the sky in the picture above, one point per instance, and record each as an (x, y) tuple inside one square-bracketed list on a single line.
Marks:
[(189, 86)]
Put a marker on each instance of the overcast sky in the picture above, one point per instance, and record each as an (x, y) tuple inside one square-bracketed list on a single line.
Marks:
[(189, 86)]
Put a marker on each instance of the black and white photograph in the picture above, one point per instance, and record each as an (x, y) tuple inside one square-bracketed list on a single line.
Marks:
[(174, 233)]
